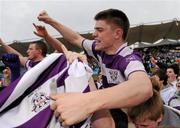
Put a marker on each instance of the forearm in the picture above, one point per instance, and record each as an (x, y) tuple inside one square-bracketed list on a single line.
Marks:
[(67, 33), (8, 49), (56, 44), (102, 119), (124, 95)]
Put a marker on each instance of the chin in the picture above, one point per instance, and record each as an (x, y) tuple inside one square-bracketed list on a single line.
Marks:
[(98, 48), (29, 57)]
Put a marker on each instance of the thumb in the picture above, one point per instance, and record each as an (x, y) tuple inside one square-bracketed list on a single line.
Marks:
[(57, 96), (36, 33)]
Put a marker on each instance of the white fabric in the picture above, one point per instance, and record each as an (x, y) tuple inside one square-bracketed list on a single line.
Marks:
[(79, 74), (167, 93)]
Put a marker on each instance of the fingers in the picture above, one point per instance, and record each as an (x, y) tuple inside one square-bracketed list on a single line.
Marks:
[(34, 25), (56, 113), (42, 13), (1, 41), (40, 30), (83, 58), (38, 27), (71, 56), (60, 119), (53, 106), (54, 96), (35, 33)]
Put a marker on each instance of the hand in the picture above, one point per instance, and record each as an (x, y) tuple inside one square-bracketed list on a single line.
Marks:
[(71, 108), (43, 16), (6, 73), (1, 42), (153, 60), (71, 56), (40, 31)]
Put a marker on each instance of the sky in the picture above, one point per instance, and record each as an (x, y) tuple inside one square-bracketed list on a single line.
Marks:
[(17, 16)]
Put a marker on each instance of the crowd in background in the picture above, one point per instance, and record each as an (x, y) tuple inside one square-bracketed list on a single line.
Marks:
[(163, 55)]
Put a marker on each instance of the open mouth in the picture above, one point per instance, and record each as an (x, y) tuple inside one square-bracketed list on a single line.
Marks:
[(178, 85), (98, 42)]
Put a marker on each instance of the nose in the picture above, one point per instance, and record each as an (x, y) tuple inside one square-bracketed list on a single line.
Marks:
[(94, 34), (27, 51)]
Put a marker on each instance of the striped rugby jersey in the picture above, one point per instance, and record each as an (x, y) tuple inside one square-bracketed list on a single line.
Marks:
[(115, 68)]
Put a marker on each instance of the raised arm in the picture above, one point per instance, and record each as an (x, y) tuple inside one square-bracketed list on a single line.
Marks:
[(66, 32), (56, 44), (9, 49)]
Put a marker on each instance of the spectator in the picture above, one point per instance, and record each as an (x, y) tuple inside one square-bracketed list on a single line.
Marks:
[(161, 76), (121, 70), (13, 63), (158, 64), (172, 72), (6, 76), (168, 92), (175, 100)]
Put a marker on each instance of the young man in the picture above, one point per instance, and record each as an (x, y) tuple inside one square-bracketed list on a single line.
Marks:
[(171, 72), (36, 52), (124, 78)]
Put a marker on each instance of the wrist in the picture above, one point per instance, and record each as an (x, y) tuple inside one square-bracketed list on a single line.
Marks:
[(94, 101), (53, 22), (46, 36)]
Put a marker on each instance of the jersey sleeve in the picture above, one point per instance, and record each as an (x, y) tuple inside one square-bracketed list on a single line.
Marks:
[(131, 64), (89, 47)]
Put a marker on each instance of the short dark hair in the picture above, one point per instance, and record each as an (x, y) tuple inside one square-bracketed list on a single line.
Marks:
[(42, 46), (175, 68), (116, 17), (162, 75)]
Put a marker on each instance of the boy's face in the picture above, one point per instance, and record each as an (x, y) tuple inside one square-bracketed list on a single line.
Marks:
[(147, 123), (170, 73), (33, 52), (105, 35)]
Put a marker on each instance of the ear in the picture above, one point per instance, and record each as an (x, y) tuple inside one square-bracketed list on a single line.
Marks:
[(118, 33), (160, 119), (40, 51)]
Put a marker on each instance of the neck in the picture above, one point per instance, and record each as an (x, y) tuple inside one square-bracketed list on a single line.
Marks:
[(38, 59), (113, 50), (172, 79)]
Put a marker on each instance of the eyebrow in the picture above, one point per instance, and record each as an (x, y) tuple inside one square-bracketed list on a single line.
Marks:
[(98, 28)]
